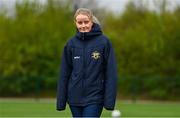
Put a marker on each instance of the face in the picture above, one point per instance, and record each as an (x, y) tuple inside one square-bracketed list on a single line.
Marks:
[(83, 23)]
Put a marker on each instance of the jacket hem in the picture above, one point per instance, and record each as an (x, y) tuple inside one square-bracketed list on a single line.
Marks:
[(84, 104)]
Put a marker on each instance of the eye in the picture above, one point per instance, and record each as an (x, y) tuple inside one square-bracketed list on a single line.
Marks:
[(86, 22), (80, 22)]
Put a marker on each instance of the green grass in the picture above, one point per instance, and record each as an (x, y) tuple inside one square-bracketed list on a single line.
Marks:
[(47, 107)]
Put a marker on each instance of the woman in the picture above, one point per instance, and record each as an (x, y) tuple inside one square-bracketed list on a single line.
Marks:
[(88, 70)]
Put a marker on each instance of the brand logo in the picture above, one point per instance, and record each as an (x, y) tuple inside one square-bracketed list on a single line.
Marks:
[(77, 57), (95, 55)]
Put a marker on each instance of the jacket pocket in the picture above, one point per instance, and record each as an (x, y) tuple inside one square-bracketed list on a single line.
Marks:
[(74, 88), (75, 76), (74, 80)]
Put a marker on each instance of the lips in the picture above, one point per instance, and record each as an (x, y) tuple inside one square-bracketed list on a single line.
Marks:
[(84, 29)]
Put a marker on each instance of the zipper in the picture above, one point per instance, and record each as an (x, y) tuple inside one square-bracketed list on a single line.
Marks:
[(83, 79), (83, 36)]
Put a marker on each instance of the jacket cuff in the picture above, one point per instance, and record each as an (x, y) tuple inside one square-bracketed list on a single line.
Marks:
[(109, 108), (60, 106), (60, 109)]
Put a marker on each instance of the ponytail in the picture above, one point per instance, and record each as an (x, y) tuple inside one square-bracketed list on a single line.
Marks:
[(95, 20)]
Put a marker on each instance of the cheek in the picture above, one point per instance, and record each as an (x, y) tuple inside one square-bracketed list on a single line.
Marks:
[(77, 25), (90, 25)]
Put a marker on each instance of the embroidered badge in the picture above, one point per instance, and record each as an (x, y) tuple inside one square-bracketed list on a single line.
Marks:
[(95, 55)]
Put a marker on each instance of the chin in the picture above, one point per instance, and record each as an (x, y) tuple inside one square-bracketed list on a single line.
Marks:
[(84, 31)]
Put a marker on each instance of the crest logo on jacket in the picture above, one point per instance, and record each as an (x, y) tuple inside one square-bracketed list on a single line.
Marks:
[(95, 55)]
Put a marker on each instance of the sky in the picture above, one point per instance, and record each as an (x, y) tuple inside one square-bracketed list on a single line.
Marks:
[(116, 6)]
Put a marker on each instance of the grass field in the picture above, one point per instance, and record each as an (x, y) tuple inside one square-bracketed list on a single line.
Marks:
[(47, 108)]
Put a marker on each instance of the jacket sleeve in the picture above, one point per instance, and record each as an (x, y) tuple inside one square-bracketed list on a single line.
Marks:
[(110, 78), (65, 72)]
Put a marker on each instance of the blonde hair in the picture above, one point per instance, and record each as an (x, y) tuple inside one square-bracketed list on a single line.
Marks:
[(87, 12)]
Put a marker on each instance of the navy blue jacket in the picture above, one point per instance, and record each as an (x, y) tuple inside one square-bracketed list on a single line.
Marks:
[(88, 71)]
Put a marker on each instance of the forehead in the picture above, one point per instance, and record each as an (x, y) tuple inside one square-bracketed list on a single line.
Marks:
[(82, 17)]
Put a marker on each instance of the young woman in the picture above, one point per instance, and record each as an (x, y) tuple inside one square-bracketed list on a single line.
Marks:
[(88, 70)]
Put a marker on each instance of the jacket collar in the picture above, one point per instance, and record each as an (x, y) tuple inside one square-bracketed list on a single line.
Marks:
[(95, 31)]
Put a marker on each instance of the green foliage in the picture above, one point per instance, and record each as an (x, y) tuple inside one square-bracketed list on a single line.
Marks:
[(31, 46), (146, 44)]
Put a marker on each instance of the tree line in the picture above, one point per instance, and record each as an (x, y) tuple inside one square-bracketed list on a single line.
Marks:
[(146, 44)]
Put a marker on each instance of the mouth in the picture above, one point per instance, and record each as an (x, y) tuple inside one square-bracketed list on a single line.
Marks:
[(84, 29)]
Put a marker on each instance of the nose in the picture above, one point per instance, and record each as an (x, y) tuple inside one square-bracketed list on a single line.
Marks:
[(83, 24)]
